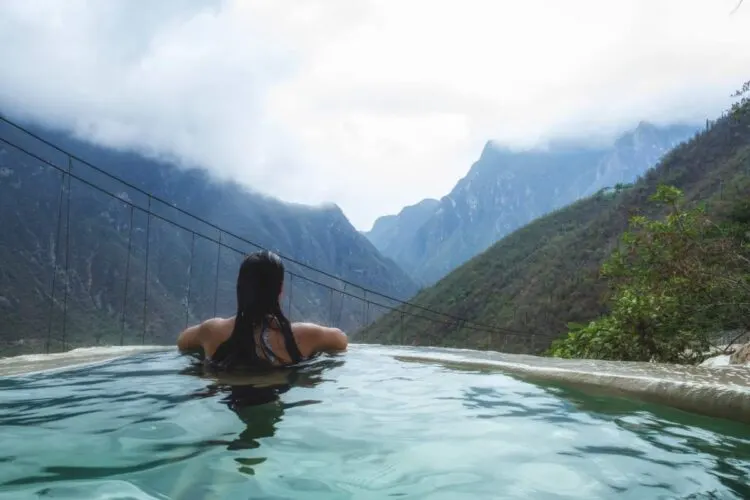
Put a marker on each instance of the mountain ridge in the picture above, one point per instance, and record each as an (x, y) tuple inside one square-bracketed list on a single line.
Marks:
[(105, 252), (505, 189), (546, 274)]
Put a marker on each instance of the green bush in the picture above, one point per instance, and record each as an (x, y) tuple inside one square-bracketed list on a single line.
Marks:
[(673, 283)]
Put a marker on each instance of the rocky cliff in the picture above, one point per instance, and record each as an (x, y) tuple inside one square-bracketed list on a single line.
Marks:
[(506, 189)]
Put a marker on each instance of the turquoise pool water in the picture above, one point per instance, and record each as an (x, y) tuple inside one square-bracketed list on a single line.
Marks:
[(363, 425)]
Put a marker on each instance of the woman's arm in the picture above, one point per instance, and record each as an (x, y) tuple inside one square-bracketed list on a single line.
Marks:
[(333, 339), (190, 339), (322, 338)]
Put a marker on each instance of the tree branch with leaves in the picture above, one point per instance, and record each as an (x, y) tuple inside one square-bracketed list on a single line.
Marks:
[(675, 283)]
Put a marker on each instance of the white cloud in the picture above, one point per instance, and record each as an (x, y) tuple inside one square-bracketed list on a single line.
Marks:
[(370, 104)]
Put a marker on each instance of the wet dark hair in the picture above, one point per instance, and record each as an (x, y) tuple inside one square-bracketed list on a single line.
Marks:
[(259, 284)]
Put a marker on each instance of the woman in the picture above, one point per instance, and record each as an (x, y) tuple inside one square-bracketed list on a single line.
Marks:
[(259, 335)]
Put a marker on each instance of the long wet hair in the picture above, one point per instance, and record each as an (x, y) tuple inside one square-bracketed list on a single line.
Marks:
[(259, 284)]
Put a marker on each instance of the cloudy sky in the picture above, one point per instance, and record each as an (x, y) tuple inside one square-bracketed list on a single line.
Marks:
[(371, 104)]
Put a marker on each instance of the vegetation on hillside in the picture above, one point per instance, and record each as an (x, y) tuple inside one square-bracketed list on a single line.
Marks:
[(79, 267), (546, 275), (675, 282), (505, 189)]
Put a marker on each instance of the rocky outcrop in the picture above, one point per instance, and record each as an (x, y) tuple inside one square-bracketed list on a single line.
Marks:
[(741, 355), (725, 355)]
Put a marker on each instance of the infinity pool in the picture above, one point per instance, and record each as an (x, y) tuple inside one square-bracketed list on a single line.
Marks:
[(363, 425)]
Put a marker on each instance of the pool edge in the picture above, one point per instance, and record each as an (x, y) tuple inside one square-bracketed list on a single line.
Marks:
[(726, 401)]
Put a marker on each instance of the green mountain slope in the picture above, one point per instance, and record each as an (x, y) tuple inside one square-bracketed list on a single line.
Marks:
[(546, 274), (102, 252), (506, 189)]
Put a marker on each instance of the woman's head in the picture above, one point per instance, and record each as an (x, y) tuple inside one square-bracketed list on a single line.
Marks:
[(259, 283)]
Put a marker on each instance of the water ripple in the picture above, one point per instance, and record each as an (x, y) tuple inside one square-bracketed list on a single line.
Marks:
[(363, 425)]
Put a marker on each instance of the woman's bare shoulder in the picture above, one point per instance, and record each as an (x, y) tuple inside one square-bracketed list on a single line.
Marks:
[(215, 331), (219, 326), (219, 322), (208, 335), (326, 338)]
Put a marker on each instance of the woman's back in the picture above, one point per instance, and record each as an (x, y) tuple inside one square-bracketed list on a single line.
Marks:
[(260, 335), (212, 337)]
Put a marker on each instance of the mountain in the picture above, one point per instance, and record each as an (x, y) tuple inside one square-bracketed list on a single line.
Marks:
[(109, 248), (506, 189), (546, 274), (632, 154), (388, 232)]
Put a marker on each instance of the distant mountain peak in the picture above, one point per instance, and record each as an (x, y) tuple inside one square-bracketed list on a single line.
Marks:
[(490, 147), (647, 134), (332, 208), (506, 189), (645, 125)]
